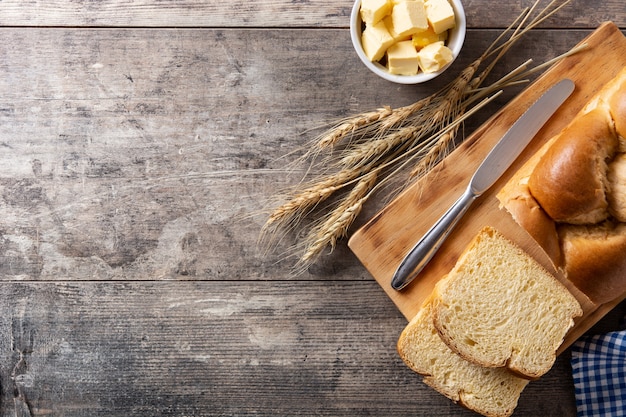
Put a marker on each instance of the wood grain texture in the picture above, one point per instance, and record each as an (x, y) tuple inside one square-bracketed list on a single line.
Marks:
[(140, 143), (201, 348), (267, 13)]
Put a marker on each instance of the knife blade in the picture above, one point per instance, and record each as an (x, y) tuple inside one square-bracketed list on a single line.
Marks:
[(490, 170)]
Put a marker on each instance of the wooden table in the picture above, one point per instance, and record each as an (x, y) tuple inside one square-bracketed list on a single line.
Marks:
[(139, 143)]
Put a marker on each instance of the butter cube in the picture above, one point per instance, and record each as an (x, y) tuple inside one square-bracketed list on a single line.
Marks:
[(421, 39), (402, 58), (389, 23), (409, 17), (440, 15), (434, 57), (375, 40), (372, 11)]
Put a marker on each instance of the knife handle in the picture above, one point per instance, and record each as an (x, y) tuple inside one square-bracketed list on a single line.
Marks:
[(425, 249)]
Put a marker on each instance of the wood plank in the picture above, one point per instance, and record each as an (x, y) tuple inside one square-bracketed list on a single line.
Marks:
[(119, 163), (267, 13), (382, 243), (207, 348)]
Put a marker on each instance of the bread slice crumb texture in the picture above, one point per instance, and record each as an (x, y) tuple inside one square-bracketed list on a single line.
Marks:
[(499, 308), (488, 391)]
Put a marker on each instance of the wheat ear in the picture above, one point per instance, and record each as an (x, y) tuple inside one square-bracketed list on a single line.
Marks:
[(290, 213), (350, 127), (335, 226)]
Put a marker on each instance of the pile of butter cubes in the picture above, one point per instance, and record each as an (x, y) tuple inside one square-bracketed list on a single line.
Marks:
[(407, 35)]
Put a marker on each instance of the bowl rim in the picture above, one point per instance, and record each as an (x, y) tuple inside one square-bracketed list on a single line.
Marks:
[(456, 41)]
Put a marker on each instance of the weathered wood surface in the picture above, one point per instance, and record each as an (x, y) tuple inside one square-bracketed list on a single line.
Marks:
[(266, 13), (231, 349), (135, 158)]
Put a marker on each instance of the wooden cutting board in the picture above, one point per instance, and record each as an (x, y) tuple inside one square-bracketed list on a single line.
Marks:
[(382, 243)]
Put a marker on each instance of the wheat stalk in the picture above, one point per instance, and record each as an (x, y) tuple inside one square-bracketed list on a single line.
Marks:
[(350, 126), (306, 200), (336, 224)]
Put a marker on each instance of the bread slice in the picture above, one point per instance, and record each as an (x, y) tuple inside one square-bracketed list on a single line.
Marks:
[(499, 308), (488, 391)]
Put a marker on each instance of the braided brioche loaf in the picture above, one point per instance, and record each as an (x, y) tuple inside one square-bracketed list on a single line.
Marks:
[(571, 195)]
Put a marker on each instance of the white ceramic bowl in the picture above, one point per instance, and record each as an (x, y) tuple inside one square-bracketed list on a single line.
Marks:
[(456, 37)]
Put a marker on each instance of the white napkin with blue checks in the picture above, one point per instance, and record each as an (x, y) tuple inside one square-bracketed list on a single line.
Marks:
[(599, 370)]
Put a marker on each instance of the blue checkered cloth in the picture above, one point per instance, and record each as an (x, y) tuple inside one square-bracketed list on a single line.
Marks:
[(599, 370)]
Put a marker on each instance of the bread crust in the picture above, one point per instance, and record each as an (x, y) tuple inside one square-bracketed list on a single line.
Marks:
[(578, 181), (592, 257), (617, 187), (569, 181)]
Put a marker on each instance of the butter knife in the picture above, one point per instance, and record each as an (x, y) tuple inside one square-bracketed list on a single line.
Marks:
[(494, 165)]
